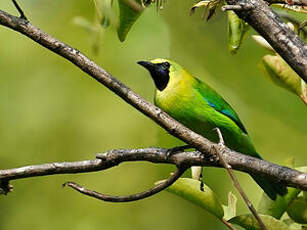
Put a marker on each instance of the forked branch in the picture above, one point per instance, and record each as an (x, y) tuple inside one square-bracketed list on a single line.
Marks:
[(291, 46)]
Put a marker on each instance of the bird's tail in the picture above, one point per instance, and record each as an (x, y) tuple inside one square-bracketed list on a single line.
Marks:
[(269, 187)]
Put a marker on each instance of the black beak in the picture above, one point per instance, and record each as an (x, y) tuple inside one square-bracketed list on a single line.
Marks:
[(158, 72), (148, 65)]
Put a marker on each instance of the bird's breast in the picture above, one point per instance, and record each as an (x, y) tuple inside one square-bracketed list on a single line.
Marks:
[(186, 107)]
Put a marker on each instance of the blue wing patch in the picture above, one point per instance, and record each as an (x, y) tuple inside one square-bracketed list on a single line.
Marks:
[(229, 113)]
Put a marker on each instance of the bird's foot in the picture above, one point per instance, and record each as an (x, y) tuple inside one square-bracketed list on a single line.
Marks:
[(177, 149), (218, 147)]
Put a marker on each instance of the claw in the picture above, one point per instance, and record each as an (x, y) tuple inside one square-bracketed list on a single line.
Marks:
[(221, 139)]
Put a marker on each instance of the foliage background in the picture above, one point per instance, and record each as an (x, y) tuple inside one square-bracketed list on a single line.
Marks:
[(50, 111)]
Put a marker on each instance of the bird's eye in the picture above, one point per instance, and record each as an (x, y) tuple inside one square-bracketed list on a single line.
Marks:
[(166, 64)]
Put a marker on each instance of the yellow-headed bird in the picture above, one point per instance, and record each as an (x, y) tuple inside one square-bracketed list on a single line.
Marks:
[(200, 108)]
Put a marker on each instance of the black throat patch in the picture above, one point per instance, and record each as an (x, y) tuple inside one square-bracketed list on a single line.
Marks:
[(160, 75)]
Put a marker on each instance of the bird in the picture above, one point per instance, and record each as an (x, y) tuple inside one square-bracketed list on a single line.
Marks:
[(199, 107)]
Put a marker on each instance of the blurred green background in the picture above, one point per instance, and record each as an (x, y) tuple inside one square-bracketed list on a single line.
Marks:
[(51, 111)]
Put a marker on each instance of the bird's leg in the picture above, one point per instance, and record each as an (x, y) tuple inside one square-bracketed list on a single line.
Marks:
[(177, 149)]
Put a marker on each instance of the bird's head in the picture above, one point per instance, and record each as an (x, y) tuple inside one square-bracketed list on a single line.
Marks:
[(161, 71)]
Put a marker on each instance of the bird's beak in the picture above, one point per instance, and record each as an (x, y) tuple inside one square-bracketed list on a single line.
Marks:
[(148, 65)]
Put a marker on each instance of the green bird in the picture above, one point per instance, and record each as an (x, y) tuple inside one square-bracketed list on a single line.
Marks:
[(200, 108)]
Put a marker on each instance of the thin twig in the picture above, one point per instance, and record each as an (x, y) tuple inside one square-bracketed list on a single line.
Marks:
[(228, 225), (138, 196), (236, 182), (22, 15)]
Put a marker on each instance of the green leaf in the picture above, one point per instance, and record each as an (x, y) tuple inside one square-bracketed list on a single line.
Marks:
[(278, 207), (129, 12), (199, 5), (298, 210), (291, 224), (249, 222), (289, 12), (209, 6), (189, 189), (280, 73), (237, 28), (230, 210)]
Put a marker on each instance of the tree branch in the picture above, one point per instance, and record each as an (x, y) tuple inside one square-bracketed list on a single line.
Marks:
[(138, 196), (287, 176), (237, 161), (284, 41)]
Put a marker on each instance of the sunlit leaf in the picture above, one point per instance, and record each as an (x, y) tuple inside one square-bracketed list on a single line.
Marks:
[(189, 189), (129, 12), (237, 28), (196, 172), (291, 224), (199, 5), (230, 209), (263, 43), (209, 7), (249, 222), (280, 73)]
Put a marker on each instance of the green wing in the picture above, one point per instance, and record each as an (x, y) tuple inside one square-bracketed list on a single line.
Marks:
[(218, 103)]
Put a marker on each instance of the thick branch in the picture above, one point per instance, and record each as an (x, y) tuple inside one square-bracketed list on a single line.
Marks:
[(285, 42), (287, 176), (237, 161)]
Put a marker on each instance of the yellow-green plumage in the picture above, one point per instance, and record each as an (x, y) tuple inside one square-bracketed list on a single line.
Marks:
[(200, 108), (193, 103)]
